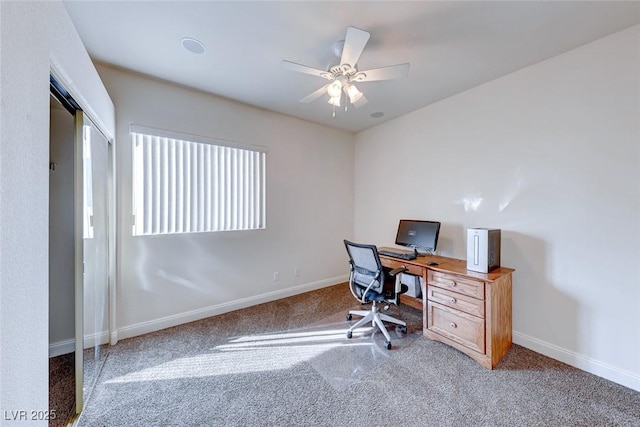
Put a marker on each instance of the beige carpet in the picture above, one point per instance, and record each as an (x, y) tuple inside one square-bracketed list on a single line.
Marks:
[(286, 363)]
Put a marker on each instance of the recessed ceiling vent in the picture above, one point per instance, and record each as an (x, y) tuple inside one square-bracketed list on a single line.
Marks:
[(193, 45)]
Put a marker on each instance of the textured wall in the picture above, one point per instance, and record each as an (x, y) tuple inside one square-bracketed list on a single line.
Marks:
[(551, 155), (169, 279), (34, 35)]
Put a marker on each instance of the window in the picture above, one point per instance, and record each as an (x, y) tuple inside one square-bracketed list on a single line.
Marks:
[(187, 183)]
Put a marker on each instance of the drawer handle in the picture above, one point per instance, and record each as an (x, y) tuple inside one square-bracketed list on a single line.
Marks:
[(453, 325), (453, 300)]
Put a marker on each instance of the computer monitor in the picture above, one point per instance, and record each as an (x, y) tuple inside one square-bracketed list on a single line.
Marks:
[(418, 234)]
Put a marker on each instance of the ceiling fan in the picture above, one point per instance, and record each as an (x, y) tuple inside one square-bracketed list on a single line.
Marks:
[(343, 75)]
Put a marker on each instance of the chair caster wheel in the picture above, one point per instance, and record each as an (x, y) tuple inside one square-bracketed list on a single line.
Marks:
[(349, 334), (387, 345), (348, 316), (401, 329)]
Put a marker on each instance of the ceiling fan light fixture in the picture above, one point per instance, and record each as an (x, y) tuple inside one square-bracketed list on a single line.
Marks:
[(353, 93), (343, 72), (334, 89), (334, 100)]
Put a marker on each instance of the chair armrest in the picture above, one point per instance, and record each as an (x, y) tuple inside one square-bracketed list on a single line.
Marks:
[(397, 270)]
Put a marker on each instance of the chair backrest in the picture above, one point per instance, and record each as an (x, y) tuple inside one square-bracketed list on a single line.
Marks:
[(365, 265)]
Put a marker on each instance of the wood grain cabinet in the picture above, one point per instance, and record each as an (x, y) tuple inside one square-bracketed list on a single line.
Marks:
[(467, 310), (470, 314)]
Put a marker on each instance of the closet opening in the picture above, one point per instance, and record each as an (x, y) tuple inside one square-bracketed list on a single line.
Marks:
[(79, 209)]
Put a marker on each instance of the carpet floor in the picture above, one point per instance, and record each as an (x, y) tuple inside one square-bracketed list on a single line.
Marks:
[(61, 389), (289, 363)]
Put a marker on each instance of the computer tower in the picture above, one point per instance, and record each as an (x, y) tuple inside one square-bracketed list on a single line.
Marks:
[(483, 249), (413, 283)]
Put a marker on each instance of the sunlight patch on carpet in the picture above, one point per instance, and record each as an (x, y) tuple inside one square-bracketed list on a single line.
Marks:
[(339, 360), (248, 354)]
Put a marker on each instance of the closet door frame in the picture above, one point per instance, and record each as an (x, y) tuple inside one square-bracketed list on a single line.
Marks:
[(60, 89)]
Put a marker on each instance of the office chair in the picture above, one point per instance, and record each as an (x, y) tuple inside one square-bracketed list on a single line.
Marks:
[(369, 281)]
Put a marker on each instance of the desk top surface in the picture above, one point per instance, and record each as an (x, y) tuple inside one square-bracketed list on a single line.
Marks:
[(448, 265)]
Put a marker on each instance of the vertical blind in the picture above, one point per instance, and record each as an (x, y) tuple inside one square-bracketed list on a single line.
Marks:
[(186, 183)]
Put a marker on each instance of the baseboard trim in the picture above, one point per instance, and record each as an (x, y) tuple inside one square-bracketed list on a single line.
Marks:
[(114, 338), (595, 367), (62, 347), (99, 338), (191, 316), (69, 346)]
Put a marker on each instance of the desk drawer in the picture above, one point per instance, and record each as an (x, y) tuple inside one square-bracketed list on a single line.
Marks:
[(456, 301), (393, 264), (457, 326), (460, 284)]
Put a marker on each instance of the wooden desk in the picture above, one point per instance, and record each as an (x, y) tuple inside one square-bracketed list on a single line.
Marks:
[(467, 310)]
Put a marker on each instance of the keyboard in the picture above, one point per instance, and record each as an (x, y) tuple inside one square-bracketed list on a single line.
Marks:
[(401, 255)]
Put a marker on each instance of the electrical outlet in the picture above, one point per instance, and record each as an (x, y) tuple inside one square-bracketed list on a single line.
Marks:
[(296, 271), (276, 276)]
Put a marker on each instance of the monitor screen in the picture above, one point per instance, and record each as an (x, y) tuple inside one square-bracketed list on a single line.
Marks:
[(418, 234)]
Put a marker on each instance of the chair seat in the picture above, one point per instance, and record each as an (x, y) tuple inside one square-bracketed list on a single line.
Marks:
[(374, 296)]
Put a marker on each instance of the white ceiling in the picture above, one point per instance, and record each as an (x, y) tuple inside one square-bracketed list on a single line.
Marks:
[(451, 46)]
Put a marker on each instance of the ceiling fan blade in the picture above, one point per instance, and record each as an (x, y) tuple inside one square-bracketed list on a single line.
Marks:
[(315, 95), (304, 69), (391, 72), (354, 43)]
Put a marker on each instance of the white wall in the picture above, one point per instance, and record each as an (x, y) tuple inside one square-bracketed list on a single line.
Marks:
[(551, 155), (33, 35), (170, 279)]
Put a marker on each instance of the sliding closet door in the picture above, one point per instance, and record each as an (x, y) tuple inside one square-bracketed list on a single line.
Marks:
[(92, 214)]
